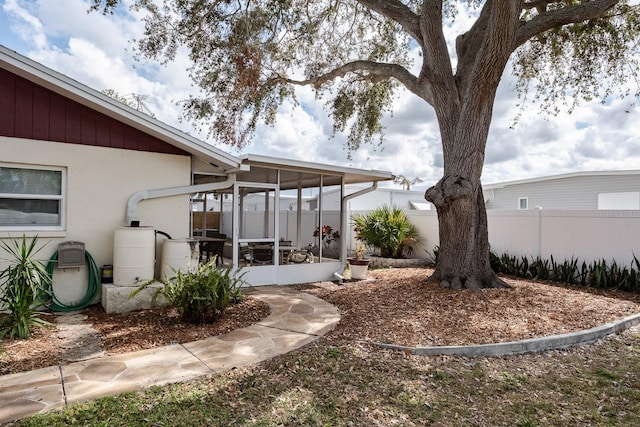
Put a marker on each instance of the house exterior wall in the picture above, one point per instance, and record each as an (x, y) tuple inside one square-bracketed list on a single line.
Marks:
[(99, 183), (578, 192), (372, 200)]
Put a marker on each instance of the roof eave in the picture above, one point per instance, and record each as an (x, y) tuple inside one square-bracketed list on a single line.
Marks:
[(561, 176), (352, 175)]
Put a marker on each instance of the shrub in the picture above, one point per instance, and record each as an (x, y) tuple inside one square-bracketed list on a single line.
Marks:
[(200, 296), (388, 229), (327, 238), (25, 289)]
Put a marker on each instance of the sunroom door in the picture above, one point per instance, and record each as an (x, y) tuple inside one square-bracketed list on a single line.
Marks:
[(257, 228)]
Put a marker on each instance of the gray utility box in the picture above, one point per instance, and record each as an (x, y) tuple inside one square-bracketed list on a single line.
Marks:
[(71, 255)]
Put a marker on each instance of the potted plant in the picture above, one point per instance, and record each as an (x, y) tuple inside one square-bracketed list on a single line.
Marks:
[(329, 239), (359, 264)]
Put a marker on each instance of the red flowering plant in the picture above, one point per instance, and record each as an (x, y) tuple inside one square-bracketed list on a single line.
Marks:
[(329, 239), (328, 235)]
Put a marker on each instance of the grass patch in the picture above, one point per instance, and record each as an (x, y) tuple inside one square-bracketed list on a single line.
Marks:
[(349, 385)]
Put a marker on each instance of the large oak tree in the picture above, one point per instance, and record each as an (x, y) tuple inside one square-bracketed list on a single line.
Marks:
[(248, 56)]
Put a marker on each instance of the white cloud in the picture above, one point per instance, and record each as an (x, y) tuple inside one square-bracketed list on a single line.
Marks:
[(27, 26)]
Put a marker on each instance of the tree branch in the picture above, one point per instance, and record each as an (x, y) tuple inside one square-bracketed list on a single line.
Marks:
[(540, 5), (399, 13), (559, 17), (375, 71), (436, 72), (468, 45), (484, 50)]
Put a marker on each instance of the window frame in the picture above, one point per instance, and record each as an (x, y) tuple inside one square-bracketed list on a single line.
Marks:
[(61, 198), (526, 202)]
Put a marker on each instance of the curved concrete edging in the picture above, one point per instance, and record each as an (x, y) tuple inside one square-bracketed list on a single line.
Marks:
[(532, 345)]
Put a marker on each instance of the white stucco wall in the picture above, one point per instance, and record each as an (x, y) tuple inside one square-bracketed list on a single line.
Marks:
[(99, 183)]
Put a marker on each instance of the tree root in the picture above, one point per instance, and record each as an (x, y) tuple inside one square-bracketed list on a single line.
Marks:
[(473, 283)]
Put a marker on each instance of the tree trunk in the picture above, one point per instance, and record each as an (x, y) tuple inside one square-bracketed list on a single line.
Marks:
[(463, 256), (464, 108)]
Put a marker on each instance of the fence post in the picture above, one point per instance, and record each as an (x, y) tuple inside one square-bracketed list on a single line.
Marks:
[(537, 231)]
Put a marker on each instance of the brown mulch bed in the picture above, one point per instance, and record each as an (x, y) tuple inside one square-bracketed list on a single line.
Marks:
[(125, 332), (394, 306), (398, 306)]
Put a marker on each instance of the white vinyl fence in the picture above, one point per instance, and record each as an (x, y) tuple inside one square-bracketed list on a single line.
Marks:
[(253, 222), (587, 235)]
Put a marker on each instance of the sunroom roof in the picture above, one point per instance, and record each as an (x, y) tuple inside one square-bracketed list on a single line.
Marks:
[(294, 172)]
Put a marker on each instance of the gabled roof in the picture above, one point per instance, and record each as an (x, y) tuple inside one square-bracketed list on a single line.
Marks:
[(561, 176), (210, 159)]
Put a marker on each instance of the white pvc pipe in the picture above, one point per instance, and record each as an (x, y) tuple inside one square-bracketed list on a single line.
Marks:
[(343, 226), (132, 204)]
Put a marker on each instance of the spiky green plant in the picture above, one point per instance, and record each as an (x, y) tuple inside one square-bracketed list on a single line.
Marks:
[(25, 286), (388, 229), (598, 274), (200, 296)]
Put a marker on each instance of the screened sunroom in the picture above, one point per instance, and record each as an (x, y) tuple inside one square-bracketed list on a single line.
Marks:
[(270, 219)]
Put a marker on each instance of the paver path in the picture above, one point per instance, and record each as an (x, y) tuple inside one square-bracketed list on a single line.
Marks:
[(296, 319), (79, 340)]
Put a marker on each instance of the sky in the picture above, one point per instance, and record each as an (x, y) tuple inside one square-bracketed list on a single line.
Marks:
[(96, 50)]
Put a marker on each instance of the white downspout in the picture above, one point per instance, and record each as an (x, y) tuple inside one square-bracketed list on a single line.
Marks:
[(132, 204), (343, 225)]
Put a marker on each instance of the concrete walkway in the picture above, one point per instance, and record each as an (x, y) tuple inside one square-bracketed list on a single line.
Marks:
[(296, 319)]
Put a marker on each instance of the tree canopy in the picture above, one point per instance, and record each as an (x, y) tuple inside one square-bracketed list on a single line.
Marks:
[(248, 56)]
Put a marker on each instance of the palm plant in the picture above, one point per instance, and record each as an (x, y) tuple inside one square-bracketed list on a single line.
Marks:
[(26, 288), (388, 229), (406, 182)]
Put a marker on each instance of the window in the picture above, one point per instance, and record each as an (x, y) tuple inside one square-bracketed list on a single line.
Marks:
[(619, 201), (523, 203), (31, 197)]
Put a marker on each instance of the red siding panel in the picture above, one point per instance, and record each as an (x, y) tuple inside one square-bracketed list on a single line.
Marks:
[(57, 122), (103, 132), (7, 103), (73, 122), (145, 142), (24, 109), (88, 126), (130, 138), (28, 110), (41, 116), (117, 134)]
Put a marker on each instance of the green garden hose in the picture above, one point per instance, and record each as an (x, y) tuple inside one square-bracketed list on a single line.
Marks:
[(92, 285)]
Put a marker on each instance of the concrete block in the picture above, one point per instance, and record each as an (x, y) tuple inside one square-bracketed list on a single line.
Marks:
[(115, 299)]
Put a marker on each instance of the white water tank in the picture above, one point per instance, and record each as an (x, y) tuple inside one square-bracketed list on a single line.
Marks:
[(134, 250), (183, 255)]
